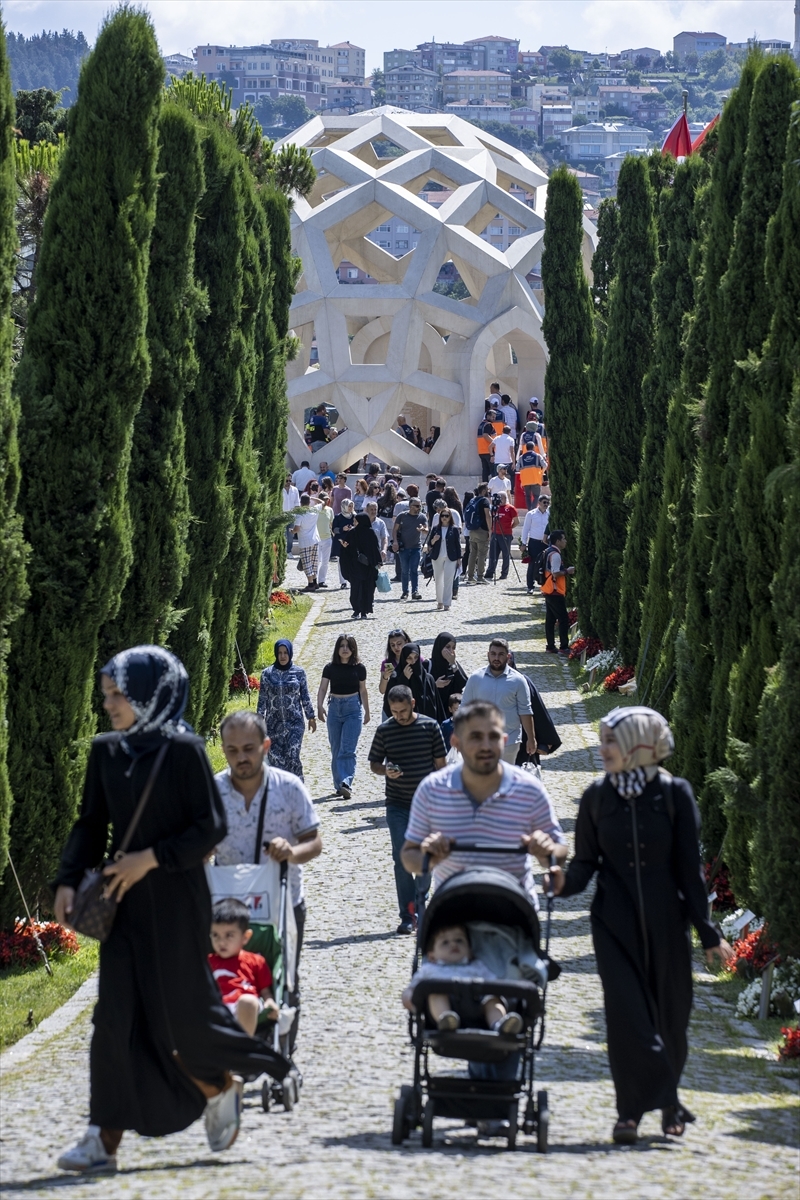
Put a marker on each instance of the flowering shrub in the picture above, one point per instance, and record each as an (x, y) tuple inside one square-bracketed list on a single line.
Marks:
[(18, 948), (722, 886), (784, 991), (239, 682), (602, 661), (590, 645), (728, 925), (791, 1043), (752, 953), (620, 675), (283, 599)]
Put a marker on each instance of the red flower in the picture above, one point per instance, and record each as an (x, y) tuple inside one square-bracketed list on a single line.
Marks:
[(791, 1044), (18, 948), (573, 616), (751, 954), (281, 598), (722, 886), (592, 646), (620, 675)]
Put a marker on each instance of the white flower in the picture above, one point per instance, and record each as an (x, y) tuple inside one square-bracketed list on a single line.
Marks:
[(603, 661)]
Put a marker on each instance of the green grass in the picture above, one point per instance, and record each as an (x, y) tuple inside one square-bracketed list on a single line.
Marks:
[(598, 702), (32, 990), (284, 624)]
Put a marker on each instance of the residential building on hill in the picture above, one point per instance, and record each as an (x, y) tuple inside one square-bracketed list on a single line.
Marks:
[(555, 119), (630, 56), (255, 71), (348, 97), (586, 106), (481, 110), (412, 87), (392, 59), (697, 43), (476, 85), (179, 64), (349, 65), (641, 103), (536, 93), (599, 140), (531, 60), (499, 53), (768, 45), (444, 57)]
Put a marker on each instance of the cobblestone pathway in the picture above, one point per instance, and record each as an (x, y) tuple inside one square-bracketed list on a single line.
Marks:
[(353, 1044)]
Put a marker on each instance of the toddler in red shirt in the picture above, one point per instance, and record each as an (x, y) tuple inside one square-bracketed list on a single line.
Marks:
[(244, 979)]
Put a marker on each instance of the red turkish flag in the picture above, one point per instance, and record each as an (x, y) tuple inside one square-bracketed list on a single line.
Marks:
[(678, 141), (701, 137)]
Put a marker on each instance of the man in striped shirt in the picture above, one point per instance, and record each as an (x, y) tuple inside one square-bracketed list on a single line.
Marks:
[(481, 799)]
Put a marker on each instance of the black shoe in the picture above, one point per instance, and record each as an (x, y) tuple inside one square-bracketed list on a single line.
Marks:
[(322, 585), (404, 596), (551, 650), (416, 596), (405, 926)]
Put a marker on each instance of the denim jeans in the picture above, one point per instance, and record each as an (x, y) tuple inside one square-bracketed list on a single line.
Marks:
[(409, 569), (344, 721), (397, 819)]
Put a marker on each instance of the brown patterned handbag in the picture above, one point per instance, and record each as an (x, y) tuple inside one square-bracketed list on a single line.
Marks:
[(93, 912)]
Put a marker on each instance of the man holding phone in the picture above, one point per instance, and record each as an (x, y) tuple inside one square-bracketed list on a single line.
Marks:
[(404, 749)]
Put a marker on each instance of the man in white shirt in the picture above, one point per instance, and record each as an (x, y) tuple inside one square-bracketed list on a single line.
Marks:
[(504, 454), (534, 537), (324, 520), (290, 499), (305, 527), (303, 476), (509, 414), (501, 482), (378, 526)]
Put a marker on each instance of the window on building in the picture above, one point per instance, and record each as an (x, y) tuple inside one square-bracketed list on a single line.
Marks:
[(402, 244), (401, 229), (352, 273), (384, 229), (514, 230), (385, 245)]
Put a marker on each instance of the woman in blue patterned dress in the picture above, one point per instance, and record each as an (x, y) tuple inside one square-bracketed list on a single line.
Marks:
[(282, 700)]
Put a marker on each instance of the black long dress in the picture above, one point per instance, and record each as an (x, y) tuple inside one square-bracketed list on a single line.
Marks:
[(361, 558), (547, 739), (159, 1017), (649, 889)]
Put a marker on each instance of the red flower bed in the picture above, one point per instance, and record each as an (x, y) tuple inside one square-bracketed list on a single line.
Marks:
[(791, 1044), (282, 599), (239, 682), (18, 949), (752, 953), (722, 886), (592, 646), (573, 616), (620, 675)]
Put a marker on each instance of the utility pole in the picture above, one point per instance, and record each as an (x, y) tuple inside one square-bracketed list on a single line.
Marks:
[(796, 47)]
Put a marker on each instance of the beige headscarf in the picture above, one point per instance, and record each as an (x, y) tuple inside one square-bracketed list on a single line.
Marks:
[(645, 739)]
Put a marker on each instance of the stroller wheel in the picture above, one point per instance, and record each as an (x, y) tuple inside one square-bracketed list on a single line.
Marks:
[(513, 1116), (401, 1124), (427, 1124), (288, 1093), (542, 1121), (266, 1094)]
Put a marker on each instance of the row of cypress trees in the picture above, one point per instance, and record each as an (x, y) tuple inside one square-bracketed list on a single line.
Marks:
[(686, 484), (152, 418)]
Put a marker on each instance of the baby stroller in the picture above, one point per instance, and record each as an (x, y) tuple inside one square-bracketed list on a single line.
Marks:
[(483, 895), (264, 888)]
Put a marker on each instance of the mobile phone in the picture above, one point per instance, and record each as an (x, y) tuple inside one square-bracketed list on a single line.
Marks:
[(390, 766)]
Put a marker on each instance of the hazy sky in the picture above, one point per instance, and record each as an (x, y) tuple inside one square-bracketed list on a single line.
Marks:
[(382, 25)]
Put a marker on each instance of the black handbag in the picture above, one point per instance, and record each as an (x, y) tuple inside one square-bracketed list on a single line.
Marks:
[(93, 912)]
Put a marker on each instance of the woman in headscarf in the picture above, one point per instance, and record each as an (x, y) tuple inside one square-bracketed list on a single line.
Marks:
[(448, 675), (361, 556), (282, 700), (638, 828), (164, 1044), (412, 672), (341, 526), (547, 739)]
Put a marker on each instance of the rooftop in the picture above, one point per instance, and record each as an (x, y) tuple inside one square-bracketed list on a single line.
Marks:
[(697, 33), (344, 46), (491, 38), (466, 71)]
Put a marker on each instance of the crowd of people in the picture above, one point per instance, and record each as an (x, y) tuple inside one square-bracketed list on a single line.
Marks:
[(176, 1028)]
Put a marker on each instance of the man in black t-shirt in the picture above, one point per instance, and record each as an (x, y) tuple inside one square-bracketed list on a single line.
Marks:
[(404, 428), (405, 749), (435, 492)]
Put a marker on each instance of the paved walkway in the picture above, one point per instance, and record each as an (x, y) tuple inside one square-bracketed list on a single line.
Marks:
[(353, 1045)]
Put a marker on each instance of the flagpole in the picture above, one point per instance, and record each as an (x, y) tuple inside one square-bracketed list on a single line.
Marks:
[(685, 104)]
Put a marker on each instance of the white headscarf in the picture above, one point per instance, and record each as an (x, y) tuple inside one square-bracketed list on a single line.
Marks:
[(645, 740)]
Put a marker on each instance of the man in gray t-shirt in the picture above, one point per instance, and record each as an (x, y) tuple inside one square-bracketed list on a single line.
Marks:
[(508, 690), (407, 533)]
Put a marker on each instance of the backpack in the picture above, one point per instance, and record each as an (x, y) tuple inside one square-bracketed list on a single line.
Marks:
[(473, 515)]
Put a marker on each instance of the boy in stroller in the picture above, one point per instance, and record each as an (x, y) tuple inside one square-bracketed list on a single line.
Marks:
[(244, 979), (450, 957)]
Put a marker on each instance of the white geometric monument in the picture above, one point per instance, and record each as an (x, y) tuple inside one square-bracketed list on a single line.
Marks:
[(396, 346)]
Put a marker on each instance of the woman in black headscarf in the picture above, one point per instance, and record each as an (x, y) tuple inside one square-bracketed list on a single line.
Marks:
[(638, 828), (449, 676), (361, 553), (164, 1044), (412, 672)]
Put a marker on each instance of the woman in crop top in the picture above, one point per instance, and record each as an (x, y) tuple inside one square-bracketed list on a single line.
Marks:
[(347, 711)]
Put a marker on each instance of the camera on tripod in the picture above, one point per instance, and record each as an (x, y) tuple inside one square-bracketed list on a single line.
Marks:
[(495, 503)]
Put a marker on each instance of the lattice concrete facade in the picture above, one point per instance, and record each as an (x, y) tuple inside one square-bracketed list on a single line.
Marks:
[(397, 347)]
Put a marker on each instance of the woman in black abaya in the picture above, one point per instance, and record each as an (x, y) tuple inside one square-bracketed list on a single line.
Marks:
[(638, 828), (361, 555), (412, 672), (449, 676), (164, 1044), (547, 739)]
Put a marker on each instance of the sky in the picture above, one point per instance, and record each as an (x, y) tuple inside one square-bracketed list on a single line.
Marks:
[(378, 25)]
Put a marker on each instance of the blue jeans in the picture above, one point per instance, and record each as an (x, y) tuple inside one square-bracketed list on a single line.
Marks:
[(344, 721), (409, 569), (397, 819)]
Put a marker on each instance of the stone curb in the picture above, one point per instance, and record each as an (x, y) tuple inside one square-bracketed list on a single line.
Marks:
[(51, 1026)]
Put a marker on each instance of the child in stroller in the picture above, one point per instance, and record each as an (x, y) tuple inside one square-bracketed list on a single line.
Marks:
[(450, 957), (244, 979)]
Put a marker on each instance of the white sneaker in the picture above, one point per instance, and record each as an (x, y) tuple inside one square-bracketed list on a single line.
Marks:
[(89, 1157), (223, 1115)]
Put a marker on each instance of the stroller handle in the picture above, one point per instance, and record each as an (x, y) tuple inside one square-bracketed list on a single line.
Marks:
[(481, 848)]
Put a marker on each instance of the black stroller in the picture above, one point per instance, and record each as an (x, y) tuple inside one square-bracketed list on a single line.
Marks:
[(487, 895)]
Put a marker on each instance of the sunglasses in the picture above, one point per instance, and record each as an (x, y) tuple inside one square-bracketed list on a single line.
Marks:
[(396, 633)]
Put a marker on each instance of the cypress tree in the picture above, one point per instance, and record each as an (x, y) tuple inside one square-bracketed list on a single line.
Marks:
[(158, 489), (210, 408), (567, 329), (602, 276), (619, 415), (80, 382), (13, 590), (694, 661), (777, 841), (673, 297)]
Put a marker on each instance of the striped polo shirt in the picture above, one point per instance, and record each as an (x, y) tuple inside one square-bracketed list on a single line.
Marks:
[(519, 806)]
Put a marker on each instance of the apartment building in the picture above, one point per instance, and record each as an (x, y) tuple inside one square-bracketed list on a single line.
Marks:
[(536, 93), (499, 53), (586, 106), (350, 62), (630, 56), (481, 54), (531, 60), (444, 57), (348, 97), (641, 103), (255, 71), (179, 64), (697, 43), (481, 110), (476, 85), (600, 140), (768, 45), (312, 50), (412, 87), (555, 119)]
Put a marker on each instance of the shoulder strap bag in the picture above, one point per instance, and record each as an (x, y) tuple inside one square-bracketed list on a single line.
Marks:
[(260, 827), (93, 912)]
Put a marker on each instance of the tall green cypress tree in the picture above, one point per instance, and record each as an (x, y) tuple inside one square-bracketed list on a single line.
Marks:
[(80, 382), (691, 701), (567, 329), (777, 840), (602, 276), (13, 590), (158, 488), (673, 297), (619, 414)]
